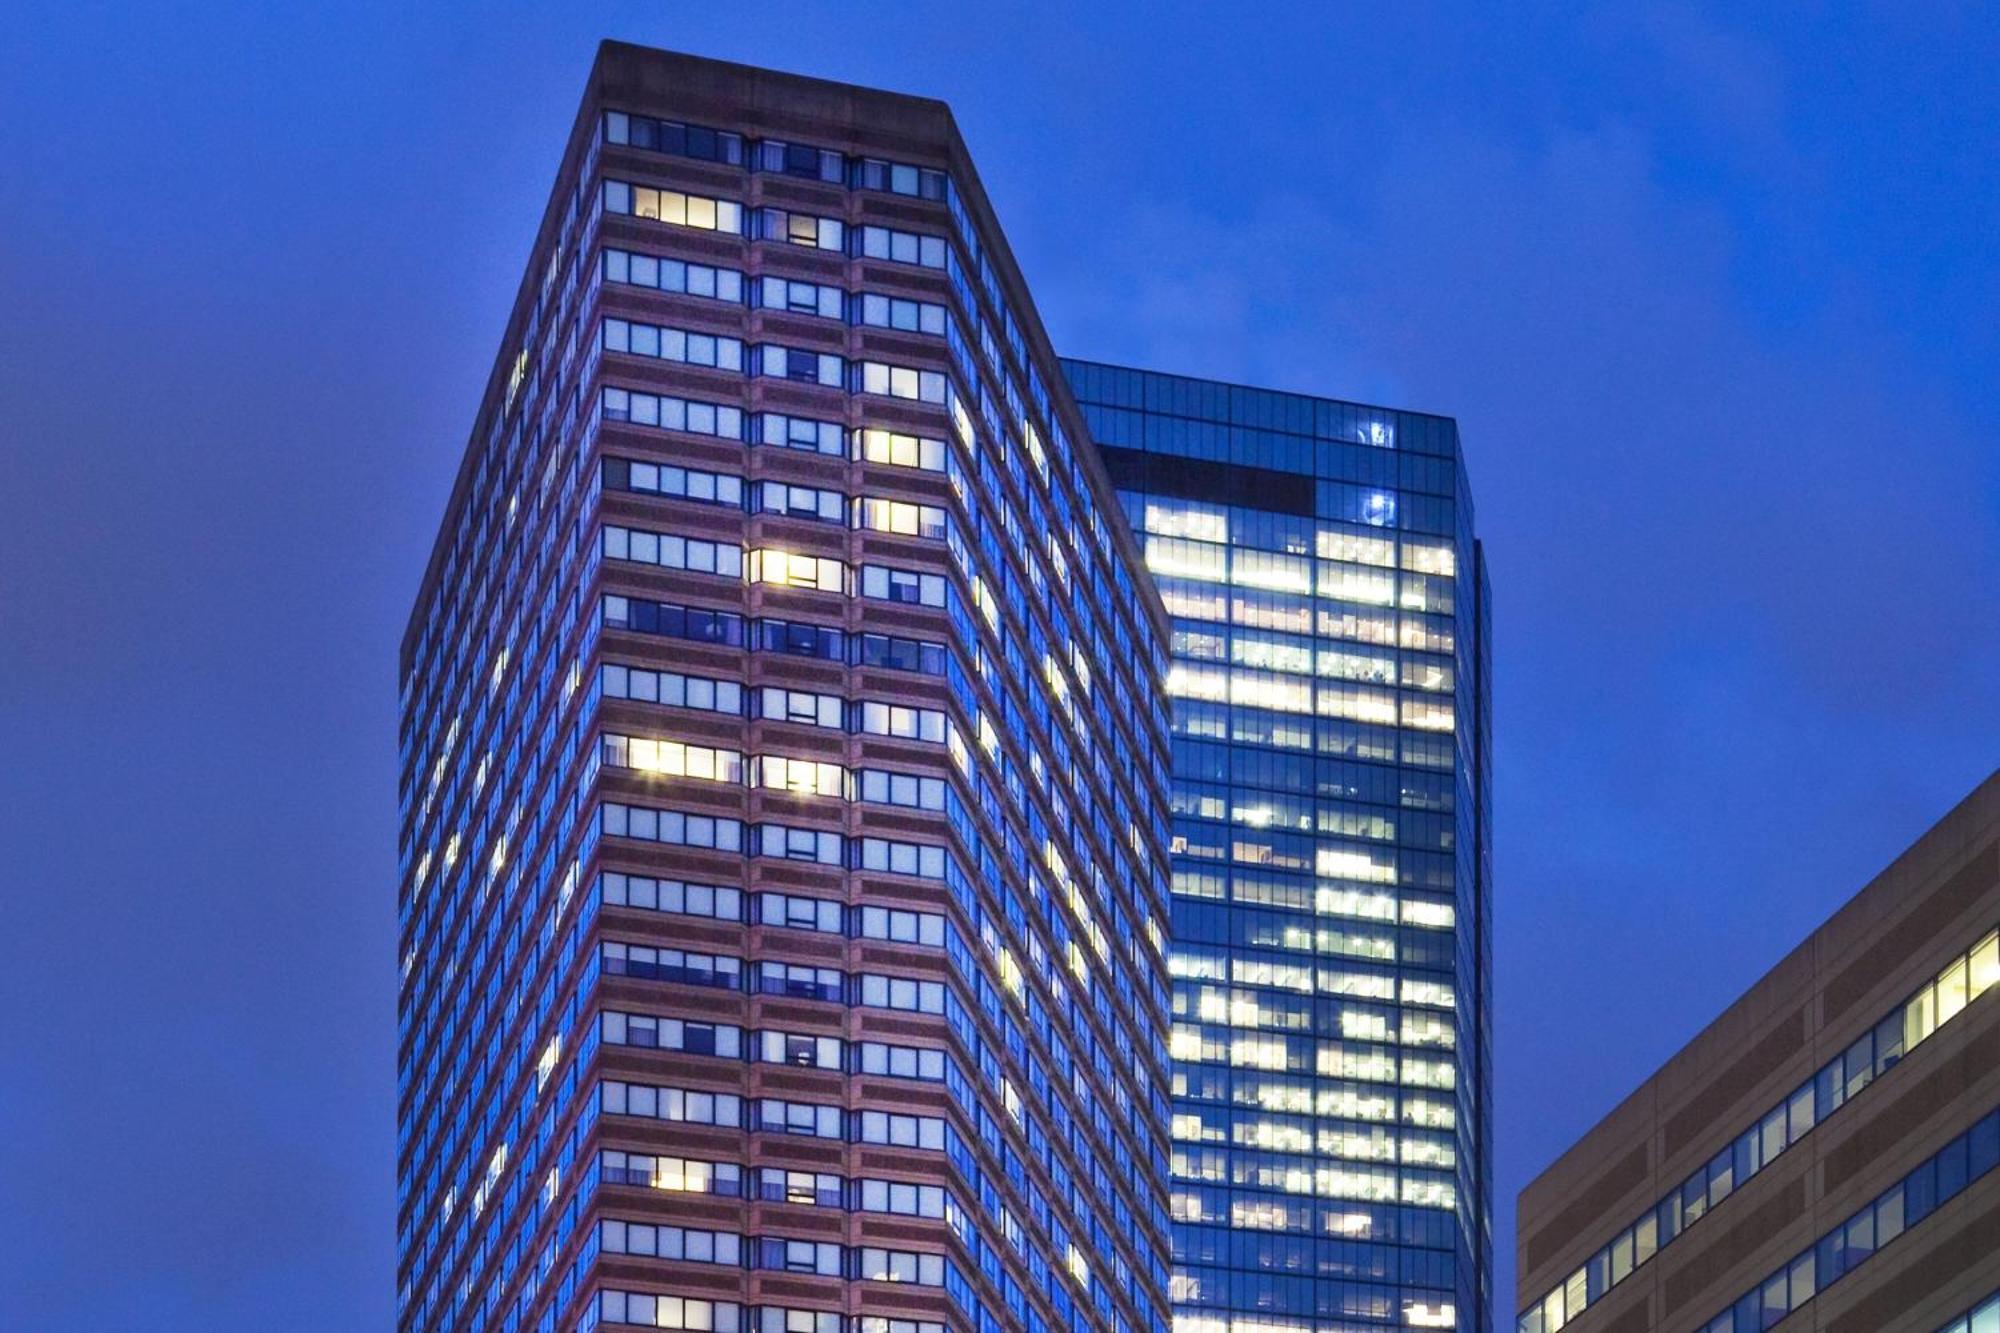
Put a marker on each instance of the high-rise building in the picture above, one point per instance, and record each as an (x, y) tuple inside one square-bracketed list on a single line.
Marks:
[(1826, 1154), (1330, 862), (784, 764)]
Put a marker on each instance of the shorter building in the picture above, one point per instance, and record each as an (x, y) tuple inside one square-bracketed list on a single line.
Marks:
[(1826, 1154)]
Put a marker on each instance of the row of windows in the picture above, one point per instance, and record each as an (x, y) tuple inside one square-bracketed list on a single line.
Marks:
[(1253, 531), (904, 518), (1279, 692), (767, 1185), (1355, 1060), (680, 208), (1907, 1026), (1325, 1097), (1244, 725), (726, 903), (1199, 562), (728, 285), (695, 1315), (1304, 616), (881, 855), (1301, 1136), (1190, 963), (796, 980), (797, 1049), (1846, 1247), (813, 1120), (767, 634), (784, 568), (720, 352), (774, 155), (864, 1263), (775, 703), (1300, 655), (821, 504)]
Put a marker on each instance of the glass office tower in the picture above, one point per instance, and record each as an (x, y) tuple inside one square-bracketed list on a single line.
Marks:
[(784, 764), (1330, 850)]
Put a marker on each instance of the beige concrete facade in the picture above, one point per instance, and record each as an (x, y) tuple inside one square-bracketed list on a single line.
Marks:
[(1935, 901)]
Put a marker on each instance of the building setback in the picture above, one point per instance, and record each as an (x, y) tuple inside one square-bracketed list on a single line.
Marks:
[(1331, 880), (784, 755), (1824, 1155)]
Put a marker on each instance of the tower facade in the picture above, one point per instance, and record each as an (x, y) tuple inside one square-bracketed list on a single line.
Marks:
[(1330, 850), (784, 764)]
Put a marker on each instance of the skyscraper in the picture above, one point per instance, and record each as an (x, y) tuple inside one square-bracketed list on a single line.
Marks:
[(1331, 881), (784, 764)]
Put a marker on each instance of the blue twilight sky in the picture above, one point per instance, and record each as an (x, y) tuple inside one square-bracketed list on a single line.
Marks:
[(1711, 294)]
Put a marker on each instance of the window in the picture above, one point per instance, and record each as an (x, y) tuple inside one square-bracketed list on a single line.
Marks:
[(672, 1034), (801, 981), (675, 622), (905, 993), (820, 437), (778, 1319), (798, 571), (795, 912), (923, 386), (695, 969), (902, 1198), (917, 724), (799, 844), (871, 173), (796, 1256), (800, 298), (672, 136), (799, 1049), (902, 247), (892, 312), (901, 858), (802, 706), (680, 483), (673, 759), (779, 497), (674, 208), (881, 446), (880, 1265), (900, 517), (798, 639), (805, 1118), (665, 344), (800, 777), (690, 1106), (672, 688), (799, 365), (671, 826), (801, 160), (683, 1174), (673, 275), (775, 224), (880, 787), (901, 926), (670, 551), (900, 654), (668, 1242), (672, 895), (673, 1312), (900, 1061), (902, 585), (666, 413), (805, 1187), (902, 1131)]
